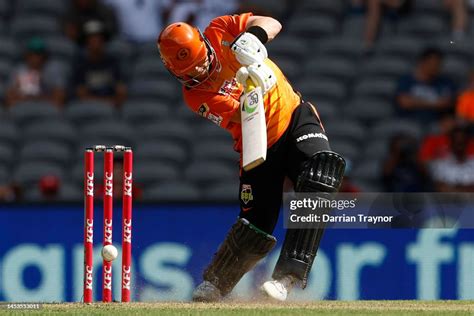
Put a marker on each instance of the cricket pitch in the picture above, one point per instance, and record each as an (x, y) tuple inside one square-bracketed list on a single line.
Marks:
[(254, 308)]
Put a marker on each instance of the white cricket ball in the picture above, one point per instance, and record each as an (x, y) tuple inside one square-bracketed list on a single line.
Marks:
[(109, 253)]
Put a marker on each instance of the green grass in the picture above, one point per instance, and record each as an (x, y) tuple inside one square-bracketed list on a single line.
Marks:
[(253, 308)]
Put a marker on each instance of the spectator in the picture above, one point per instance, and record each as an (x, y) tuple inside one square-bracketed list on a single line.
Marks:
[(140, 20), (36, 78), (9, 193), (49, 186), (85, 10), (465, 103), (97, 74), (454, 170), (374, 11), (401, 170), (459, 17), (425, 95), (438, 145)]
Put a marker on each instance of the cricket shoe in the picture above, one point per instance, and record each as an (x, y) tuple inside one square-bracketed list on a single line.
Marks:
[(206, 292), (278, 289)]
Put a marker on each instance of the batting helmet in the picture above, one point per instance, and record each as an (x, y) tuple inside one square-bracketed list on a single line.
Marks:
[(182, 49)]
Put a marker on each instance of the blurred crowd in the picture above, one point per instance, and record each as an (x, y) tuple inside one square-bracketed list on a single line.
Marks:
[(442, 161)]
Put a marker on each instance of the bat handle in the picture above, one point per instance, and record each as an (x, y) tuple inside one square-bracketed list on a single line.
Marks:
[(250, 85)]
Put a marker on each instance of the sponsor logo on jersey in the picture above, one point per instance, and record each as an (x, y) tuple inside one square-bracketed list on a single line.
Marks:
[(311, 135), (228, 87), (216, 119), (203, 110), (246, 193)]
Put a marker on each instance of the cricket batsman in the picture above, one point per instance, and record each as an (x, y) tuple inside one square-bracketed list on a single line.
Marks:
[(209, 65)]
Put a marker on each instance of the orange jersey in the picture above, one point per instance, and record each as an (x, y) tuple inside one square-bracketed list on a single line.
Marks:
[(219, 99), (465, 105)]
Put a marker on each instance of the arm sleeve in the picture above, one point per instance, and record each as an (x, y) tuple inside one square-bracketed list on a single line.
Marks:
[(233, 24)]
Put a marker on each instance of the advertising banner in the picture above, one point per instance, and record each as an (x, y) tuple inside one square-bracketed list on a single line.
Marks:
[(41, 257)]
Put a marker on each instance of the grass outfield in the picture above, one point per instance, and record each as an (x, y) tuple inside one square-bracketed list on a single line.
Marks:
[(246, 308)]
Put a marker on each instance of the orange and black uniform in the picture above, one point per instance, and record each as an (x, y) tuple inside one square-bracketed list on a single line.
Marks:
[(294, 131)]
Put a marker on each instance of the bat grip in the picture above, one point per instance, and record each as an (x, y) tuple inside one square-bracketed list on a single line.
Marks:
[(250, 85)]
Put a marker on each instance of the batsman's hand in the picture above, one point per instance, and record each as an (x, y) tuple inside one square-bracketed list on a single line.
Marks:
[(262, 75), (248, 49), (242, 75)]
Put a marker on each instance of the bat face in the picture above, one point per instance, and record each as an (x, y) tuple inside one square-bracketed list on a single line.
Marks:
[(254, 130), (252, 100)]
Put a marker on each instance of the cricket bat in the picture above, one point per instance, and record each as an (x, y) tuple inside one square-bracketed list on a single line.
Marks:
[(254, 127)]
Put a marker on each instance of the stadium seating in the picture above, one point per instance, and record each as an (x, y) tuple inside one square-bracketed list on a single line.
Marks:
[(423, 26), (168, 130), (7, 155), (141, 112), (61, 48), (80, 112), (149, 172), (368, 111), (30, 111), (52, 7), (337, 46), (47, 151), (26, 26), (406, 47), (338, 68), (288, 46), (5, 69), (161, 150), (29, 173), (150, 68), (204, 172), (221, 191), (115, 130), (183, 157), (215, 150), (9, 133), (313, 26), (172, 192), (9, 49), (58, 130)]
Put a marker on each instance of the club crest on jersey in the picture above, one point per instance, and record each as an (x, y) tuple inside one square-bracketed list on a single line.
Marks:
[(203, 110), (228, 86), (246, 193)]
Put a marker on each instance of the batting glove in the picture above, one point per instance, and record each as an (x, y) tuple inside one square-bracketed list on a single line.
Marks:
[(263, 76), (248, 49), (242, 75)]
